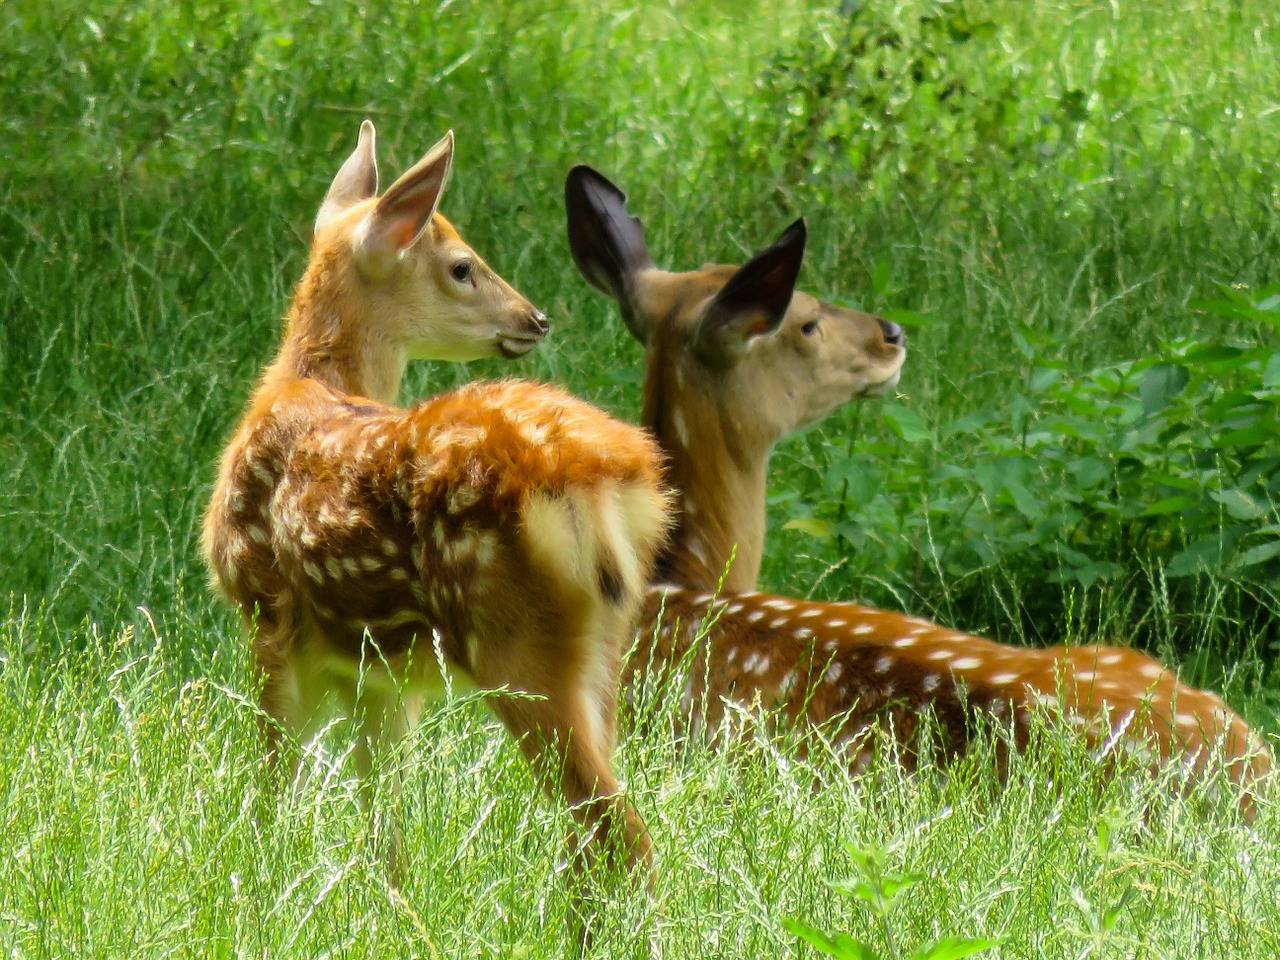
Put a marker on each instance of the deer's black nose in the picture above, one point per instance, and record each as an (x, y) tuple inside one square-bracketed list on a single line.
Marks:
[(893, 333), (538, 320)]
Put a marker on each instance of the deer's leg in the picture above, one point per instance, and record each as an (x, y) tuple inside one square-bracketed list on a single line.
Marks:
[(383, 715), (565, 729)]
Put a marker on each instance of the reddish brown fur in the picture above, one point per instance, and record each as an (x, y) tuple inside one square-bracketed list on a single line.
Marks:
[(840, 667), (501, 533)]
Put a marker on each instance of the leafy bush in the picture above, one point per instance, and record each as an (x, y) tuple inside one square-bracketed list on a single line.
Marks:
[(1170, 462)]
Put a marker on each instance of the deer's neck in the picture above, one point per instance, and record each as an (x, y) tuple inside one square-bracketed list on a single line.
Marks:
[(331, 335), (719, 477)]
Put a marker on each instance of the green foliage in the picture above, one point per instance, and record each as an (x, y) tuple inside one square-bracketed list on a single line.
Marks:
[(1170, 462), (901, 93), (879, 889)]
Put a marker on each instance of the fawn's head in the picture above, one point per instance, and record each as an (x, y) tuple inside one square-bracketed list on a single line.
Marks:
[(769, 359), (403, 274)]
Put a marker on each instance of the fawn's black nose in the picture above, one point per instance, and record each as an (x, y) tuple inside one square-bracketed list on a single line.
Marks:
[(539, 321), (893, 333)]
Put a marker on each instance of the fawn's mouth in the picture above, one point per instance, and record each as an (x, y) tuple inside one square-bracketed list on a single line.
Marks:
[(884, 387), (515, 347)]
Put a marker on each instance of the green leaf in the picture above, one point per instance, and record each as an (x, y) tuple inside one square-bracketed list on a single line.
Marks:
[(1027, 505), (1256, 555), (813, 526), (1171, 505), (1204, 554), (841, 946), (1042, 378), (1239, 504), (1160, 384), (952, 948), (906, 423)]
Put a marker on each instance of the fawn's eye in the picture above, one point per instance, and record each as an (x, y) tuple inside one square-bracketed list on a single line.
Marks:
[(810, 328), (461, 270)]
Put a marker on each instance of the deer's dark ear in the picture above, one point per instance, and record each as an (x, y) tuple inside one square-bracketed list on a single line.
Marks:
[(754, 301), (357, 178), (607, 243), (404, 211)]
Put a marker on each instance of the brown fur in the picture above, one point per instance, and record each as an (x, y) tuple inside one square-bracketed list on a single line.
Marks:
[(371, 548), (840, 667)]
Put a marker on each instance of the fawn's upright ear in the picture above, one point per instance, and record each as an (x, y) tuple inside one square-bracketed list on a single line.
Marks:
[(403, 212), (607, 242), (753, 302), (357, 178)]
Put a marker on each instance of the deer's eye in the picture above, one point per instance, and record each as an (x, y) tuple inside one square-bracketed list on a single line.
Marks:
[(810, 328), (461, 270)]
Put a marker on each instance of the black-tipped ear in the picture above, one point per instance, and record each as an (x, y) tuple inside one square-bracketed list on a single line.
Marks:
[(607, 243), (755, 299)]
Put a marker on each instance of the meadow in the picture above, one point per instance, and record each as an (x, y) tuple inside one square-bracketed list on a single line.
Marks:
[(1072, 206)]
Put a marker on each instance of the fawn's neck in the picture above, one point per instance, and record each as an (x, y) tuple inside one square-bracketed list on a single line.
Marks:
[(718, 472), (331, 334)]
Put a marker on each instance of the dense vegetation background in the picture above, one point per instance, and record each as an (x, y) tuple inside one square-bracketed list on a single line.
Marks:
[(1073, 206)]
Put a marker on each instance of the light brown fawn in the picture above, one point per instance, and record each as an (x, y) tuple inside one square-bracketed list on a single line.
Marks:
[(734, 361), (502, 533)]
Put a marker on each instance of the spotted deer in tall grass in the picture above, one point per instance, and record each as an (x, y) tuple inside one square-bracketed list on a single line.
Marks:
[(501, 534), (736, 359)]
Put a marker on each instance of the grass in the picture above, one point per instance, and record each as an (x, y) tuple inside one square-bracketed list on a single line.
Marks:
[(162, 164)]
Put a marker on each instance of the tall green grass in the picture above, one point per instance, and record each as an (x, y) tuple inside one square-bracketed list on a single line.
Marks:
[(161, 165)]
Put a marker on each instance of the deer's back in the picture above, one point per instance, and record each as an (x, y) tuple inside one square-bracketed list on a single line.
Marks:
[(369, 520)]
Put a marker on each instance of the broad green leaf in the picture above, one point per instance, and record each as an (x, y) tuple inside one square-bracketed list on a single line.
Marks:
[(841, 946), (1202, 555), (952, 948), (1239, 504), (1171, 505), (1160, 385), (1256, 555), (906, 423), (813, 526)]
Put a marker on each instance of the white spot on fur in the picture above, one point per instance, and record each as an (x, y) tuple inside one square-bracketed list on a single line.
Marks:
[(732, 656), (734, 608), (1002, 678), (940, 654), (930, 682), (966, 663), (332, 566), (835, 624), (904, 642), (833, 672), (681, 428), (803, 633), (862, 629), (1151, 670), (777, 603), (389, 547), (778, 623), (1111, 658), (755, 616), (884, 665), (486, 547), (462, 497), (313, 571)]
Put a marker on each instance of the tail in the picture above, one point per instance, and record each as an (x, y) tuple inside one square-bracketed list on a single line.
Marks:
[(607, 242)]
